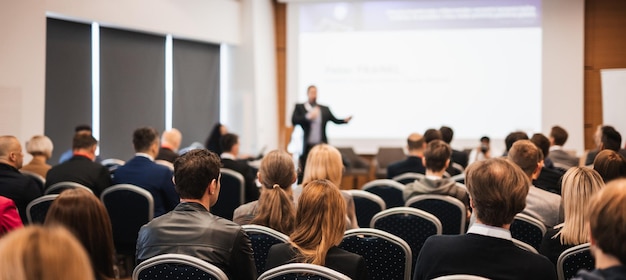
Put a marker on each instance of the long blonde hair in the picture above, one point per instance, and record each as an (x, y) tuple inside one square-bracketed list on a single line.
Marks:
[(43, 253), (323, 162), (275, 207), (578, 186), (320, 221)]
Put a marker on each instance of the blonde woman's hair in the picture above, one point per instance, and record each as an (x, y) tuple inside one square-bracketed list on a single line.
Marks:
[(320, 221), (275, 208), (39, 145), (578, 186), (43, 253), (323, 162)]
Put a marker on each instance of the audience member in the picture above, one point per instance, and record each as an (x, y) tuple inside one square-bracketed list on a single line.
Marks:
[(81, 168), (498, 192), (610, 165), (540, 204), (86, 217), (43, 253), (436, 159), (79, 129), (558, 156), (607, 226), (13, 185), (590, 155), (432, 134), (9, 218), (230, 148), (610, 139), (191, 229), (413, 163), (170, 143), (512, 138), (40, 147), (481, 152), (275, 207), (213, 141), (141, 171), (324, 162), (549, 178), (579, 184), (459, 157), (320, 225)]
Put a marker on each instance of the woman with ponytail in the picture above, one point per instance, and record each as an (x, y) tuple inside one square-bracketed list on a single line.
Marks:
[(275, 207), (320, 225)]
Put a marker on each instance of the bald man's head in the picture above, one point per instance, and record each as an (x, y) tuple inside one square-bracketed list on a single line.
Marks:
[(172, 138), (11, 151), (415, 141)]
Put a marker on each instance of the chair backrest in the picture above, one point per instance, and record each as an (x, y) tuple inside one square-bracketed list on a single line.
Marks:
[(528, 230), (412, 225), (301, 271), (165, 163), (129, 208), (41, 181), (408, 177), (460, 277), (37, 209), (355, 161), (450, 211), (389, 190), (460, 178), (262, 238), (231, 194), (366, 205), (61, 186), (386, 255), (386, 156), (524, 246), (574, 259), (112, 164), (177, 266)]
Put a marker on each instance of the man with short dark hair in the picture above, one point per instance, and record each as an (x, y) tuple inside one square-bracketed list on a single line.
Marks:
[(512, 138), (79, 129), (230, 145), (81, 167), (413, 163), (459, 157), (191, 229), (498, 191), (143, 172), (436, 159), (610, 139), (549, 178), (558, 156)]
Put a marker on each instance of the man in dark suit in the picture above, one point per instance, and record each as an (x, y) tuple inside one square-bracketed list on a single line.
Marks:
[(459, 157), (13, 185), (141, 171), (498, 190), (170, 142), (313, 117), (413, 163), (230, 145), (549, 178), (81, 168)]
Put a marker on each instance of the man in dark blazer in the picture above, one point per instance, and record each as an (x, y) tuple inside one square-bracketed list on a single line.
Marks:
[(413, 163), (81, 168), (459, 157), (13, 185), (141, 171), (498, 190), (229, 144), (313, 117), (170, 142)]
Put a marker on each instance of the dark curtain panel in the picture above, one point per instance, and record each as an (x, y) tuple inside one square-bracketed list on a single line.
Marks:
[(132, 88), (196, 89), (68, 82)]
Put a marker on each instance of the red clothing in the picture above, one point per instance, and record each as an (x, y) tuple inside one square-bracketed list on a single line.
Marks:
[(9, 218)]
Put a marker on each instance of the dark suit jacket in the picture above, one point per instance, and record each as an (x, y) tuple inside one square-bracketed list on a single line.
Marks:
[(350, 264), (251, 190), (299, 118), (81, 170), (460, 157), (167, 154), (155, 178), (410, 164), (550, 179), (21, 189), (480, 255)]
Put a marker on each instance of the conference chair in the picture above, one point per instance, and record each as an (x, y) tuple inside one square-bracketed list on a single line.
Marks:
[(177, 266), (112, 164), (129, 208), (262, 238), (412, 225), (231, 194), (450, 211), (408, 177), (386, 256), (41, 181), (523, 245), (302, 271), (389, 190), (37, 209), (574, 259), (61, 186), (386, 156), (165, 163), (459, 178), (460, 277), (366, 205), (528, 230)]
